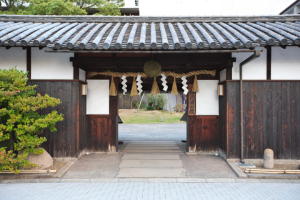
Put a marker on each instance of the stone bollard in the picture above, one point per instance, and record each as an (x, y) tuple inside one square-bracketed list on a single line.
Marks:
[(269, 159)]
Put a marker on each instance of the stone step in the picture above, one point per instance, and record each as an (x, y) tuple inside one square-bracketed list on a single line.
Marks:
[(151, 151), (151, 173), (151, 164), (152, 142), (150, 147), (151, 157)]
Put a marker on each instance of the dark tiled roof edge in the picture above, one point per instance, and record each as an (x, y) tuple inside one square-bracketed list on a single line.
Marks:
[(90, 18)]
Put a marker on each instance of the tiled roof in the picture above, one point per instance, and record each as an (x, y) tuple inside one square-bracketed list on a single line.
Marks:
[(152, 33)]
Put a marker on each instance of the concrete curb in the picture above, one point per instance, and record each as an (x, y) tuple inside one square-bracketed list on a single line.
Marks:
[(153, 180), (236, 169), (65, 168)]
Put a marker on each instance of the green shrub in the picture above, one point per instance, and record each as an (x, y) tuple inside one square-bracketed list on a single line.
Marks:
[(157, 101), (135, 105), (150, 108), (20, 121), (143, 105)]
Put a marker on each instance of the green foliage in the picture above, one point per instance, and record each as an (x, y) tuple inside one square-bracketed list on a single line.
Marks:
[(20, 121), (62, 7), (150, 108), (52, 7), (135, 104), (179, 108), (157, 101)]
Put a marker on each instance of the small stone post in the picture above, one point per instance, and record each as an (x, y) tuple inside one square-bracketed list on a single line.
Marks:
[(269, 159)]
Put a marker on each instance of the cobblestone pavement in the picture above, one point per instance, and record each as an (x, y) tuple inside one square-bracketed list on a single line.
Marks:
[(146, 190), (172, 132)]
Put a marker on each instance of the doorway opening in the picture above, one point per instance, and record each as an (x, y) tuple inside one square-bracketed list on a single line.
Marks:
[(152, 121)]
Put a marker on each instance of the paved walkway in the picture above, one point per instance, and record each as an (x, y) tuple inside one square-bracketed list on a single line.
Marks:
[(150, 191), (174, 132), (158, 159)]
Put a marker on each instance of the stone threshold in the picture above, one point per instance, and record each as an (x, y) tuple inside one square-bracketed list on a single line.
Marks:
[(153, 180)]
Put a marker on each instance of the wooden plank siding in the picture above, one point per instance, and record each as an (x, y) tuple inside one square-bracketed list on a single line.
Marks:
[(68, 140), (203, 133), (272, 119)]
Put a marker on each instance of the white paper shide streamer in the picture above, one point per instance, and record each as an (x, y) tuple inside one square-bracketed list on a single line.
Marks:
[(139, 84), (164, 82), (184, 87), (124, 84)]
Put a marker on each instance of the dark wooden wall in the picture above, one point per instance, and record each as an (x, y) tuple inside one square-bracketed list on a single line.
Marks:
[(67, 141), (272, 119)]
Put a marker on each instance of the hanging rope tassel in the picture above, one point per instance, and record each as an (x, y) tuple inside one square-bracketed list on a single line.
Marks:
[(134, 91), (195, 85), (155, 88), (174, 87), (112, 89)]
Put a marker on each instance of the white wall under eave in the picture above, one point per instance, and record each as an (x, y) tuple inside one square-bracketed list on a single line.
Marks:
[(51, 65), (223, 75), (97, 99), (81, 75), (12, 57), (285, 63), (254, 70), (207, 99)]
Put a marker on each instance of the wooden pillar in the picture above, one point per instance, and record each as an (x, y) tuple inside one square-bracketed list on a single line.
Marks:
[(113, 112), (191, 111), (28, 62), (76, 73), (229, 73), (269, 57), (75, 69)]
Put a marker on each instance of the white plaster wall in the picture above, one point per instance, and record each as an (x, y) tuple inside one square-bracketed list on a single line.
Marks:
[(255, 70), (81, 75), (97, 99), (207, 99), (223, 75), (13, 57), (210, 7), (51, 65), (285, 63)]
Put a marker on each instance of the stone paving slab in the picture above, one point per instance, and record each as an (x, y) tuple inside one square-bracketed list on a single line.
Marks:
[(137, 190), (151, 151), (153, 180), (151, 164), (151, 156), (151, 172), (152, 147)]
